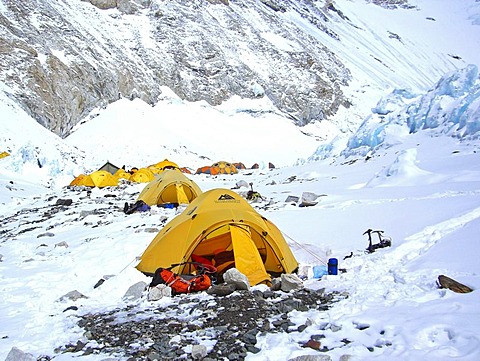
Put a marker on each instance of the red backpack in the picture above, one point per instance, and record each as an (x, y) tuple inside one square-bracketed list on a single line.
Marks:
[(184, 283)]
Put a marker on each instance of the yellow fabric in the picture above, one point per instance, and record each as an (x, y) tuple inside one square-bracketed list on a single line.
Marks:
[(83, 180), (166, 164), (4, 154), (207, 219), (143, 175), (170, 186), (247, 258), (102, 178), (181, 196), (121, 173)]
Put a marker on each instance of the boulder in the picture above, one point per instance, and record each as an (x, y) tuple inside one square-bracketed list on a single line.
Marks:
[(291, 282), (237, 278), (158, 292), (221, 290), (447, 282), (135, 291), (199, 352), (16, 354)]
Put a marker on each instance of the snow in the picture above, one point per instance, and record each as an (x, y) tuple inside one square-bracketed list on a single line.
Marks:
[(417, 181), (422, 191)]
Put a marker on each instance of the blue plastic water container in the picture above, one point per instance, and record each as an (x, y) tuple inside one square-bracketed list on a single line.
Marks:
[(333, 266)]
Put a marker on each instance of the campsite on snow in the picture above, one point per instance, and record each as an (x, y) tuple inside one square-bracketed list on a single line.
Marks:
[(72, 286), (239, 180)]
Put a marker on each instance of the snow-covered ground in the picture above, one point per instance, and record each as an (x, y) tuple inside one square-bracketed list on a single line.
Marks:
[(421, 188)]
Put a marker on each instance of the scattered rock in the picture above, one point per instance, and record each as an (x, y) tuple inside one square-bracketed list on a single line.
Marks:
[(199, 352), (46, 234), (290, 282), (158, 292), (222, 289), (292, 199), (309, 199), (135, 291), (16, 354), (99, 283), (73, 296), (62, 244), (311, 358), (64, 202), (151, 230), (237, 278), (314, 344), (447, 282)]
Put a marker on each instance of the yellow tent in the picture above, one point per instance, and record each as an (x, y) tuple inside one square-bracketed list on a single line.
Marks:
[(170, 186), (143, 175), (163, 165), (99, 178), (122, 173), (166, 164), (220, 223), (103, 178), (83, 180), (4, 154)]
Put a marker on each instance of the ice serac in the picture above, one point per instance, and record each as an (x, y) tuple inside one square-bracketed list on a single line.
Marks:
[(450, 107)]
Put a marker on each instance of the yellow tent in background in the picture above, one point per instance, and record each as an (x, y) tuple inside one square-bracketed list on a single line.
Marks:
[(122, 173), (143, 175), (166, 164), (4, 154), (170, 186), (163, 165), (103, 178), (83, 180), (221, 226)]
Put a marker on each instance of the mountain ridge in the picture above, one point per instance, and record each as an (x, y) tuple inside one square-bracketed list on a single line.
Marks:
[(61, 60)]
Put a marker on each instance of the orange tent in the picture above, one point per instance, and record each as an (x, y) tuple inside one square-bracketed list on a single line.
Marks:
[(218, 168)]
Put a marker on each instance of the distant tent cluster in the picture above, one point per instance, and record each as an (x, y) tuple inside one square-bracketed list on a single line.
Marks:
[(109, 174), (223, 167)]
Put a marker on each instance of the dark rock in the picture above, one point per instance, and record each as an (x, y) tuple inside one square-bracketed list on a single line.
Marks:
[(221, 290), (64, 202)]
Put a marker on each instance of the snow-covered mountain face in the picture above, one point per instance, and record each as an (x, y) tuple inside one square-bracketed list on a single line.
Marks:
[(61, 59)]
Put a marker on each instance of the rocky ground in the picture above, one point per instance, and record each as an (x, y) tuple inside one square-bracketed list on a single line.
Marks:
[(229, 324)]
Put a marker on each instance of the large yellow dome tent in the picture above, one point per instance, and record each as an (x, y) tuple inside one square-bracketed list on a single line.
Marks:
[(170, 186), (221, 222)]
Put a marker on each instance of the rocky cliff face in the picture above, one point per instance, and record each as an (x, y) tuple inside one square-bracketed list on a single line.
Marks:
[(61, 59)]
